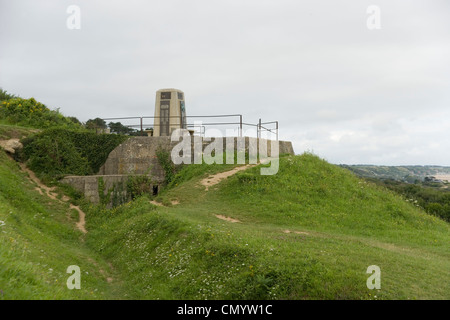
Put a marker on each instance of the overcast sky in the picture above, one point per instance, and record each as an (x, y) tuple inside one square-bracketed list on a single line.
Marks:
[(349, 94)]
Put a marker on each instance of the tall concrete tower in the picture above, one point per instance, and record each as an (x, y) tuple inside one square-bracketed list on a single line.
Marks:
[(170, 112)]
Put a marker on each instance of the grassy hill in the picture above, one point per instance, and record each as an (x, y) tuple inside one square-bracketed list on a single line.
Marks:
[(309, 232), (38, 242)]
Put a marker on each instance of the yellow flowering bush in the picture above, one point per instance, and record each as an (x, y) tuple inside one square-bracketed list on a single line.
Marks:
[(29, 112)]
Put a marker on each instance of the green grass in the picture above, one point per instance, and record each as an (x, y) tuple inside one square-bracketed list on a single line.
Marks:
[(308, 232), (185, 252), (38, 242), (8, 131)]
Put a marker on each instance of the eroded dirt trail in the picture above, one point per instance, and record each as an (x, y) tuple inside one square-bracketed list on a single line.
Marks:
[(216, 178), (81, 224), (81, 220), (229, 219)]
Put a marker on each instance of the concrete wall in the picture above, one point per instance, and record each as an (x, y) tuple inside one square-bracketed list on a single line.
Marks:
[(137, 156), (89, 186)]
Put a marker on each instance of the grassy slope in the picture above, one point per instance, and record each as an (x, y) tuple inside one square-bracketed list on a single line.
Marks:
[(8, 131), (38, 242), (184, 251)]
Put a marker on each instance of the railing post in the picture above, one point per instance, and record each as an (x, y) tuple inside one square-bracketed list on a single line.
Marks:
[(141, 126), (240, 125), (259, 128), (277, 130)]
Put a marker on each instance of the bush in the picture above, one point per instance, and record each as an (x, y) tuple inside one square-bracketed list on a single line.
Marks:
[(54, 155), (139, 185), (4, 95), (58, 151), (29, 112), (166, 163)]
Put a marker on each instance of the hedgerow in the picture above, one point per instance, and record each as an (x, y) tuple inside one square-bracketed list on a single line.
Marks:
[(56, 152)]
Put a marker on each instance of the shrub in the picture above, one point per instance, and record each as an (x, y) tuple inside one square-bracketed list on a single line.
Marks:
[(139, 185), (4, 95), (54, 155), (166, 163), (31, 113), (58, 151)]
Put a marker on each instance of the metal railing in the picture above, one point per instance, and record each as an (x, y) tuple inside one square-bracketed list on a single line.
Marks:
[(139, 123)]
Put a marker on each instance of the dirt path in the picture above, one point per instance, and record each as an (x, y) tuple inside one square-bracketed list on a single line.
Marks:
[(156, 203), (81, 224), (216, 178), (296, 232), (159, 204), (219, 216), (82, 218)]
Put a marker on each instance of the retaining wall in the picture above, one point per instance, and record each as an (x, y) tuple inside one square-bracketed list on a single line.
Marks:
[(137, 156)]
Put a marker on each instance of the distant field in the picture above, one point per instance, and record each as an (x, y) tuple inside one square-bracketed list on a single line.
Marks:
[(401, 173), (443, 177)]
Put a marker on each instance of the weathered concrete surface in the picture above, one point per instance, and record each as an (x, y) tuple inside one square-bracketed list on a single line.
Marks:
[(89, 185), (137, 156)]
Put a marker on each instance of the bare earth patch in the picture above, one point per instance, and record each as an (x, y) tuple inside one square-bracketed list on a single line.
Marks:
[(50, 193), (82, 218), (173, 202), (296, 232), (227, 218), (216, 178)]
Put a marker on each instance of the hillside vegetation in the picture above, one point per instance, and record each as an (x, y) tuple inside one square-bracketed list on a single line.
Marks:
[(55, 152), (38, 242), (308, 232), (31, 113), (420, 185), (431, 197), (54, 144)]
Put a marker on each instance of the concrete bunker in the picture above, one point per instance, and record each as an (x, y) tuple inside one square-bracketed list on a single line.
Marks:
[(138, 156)]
